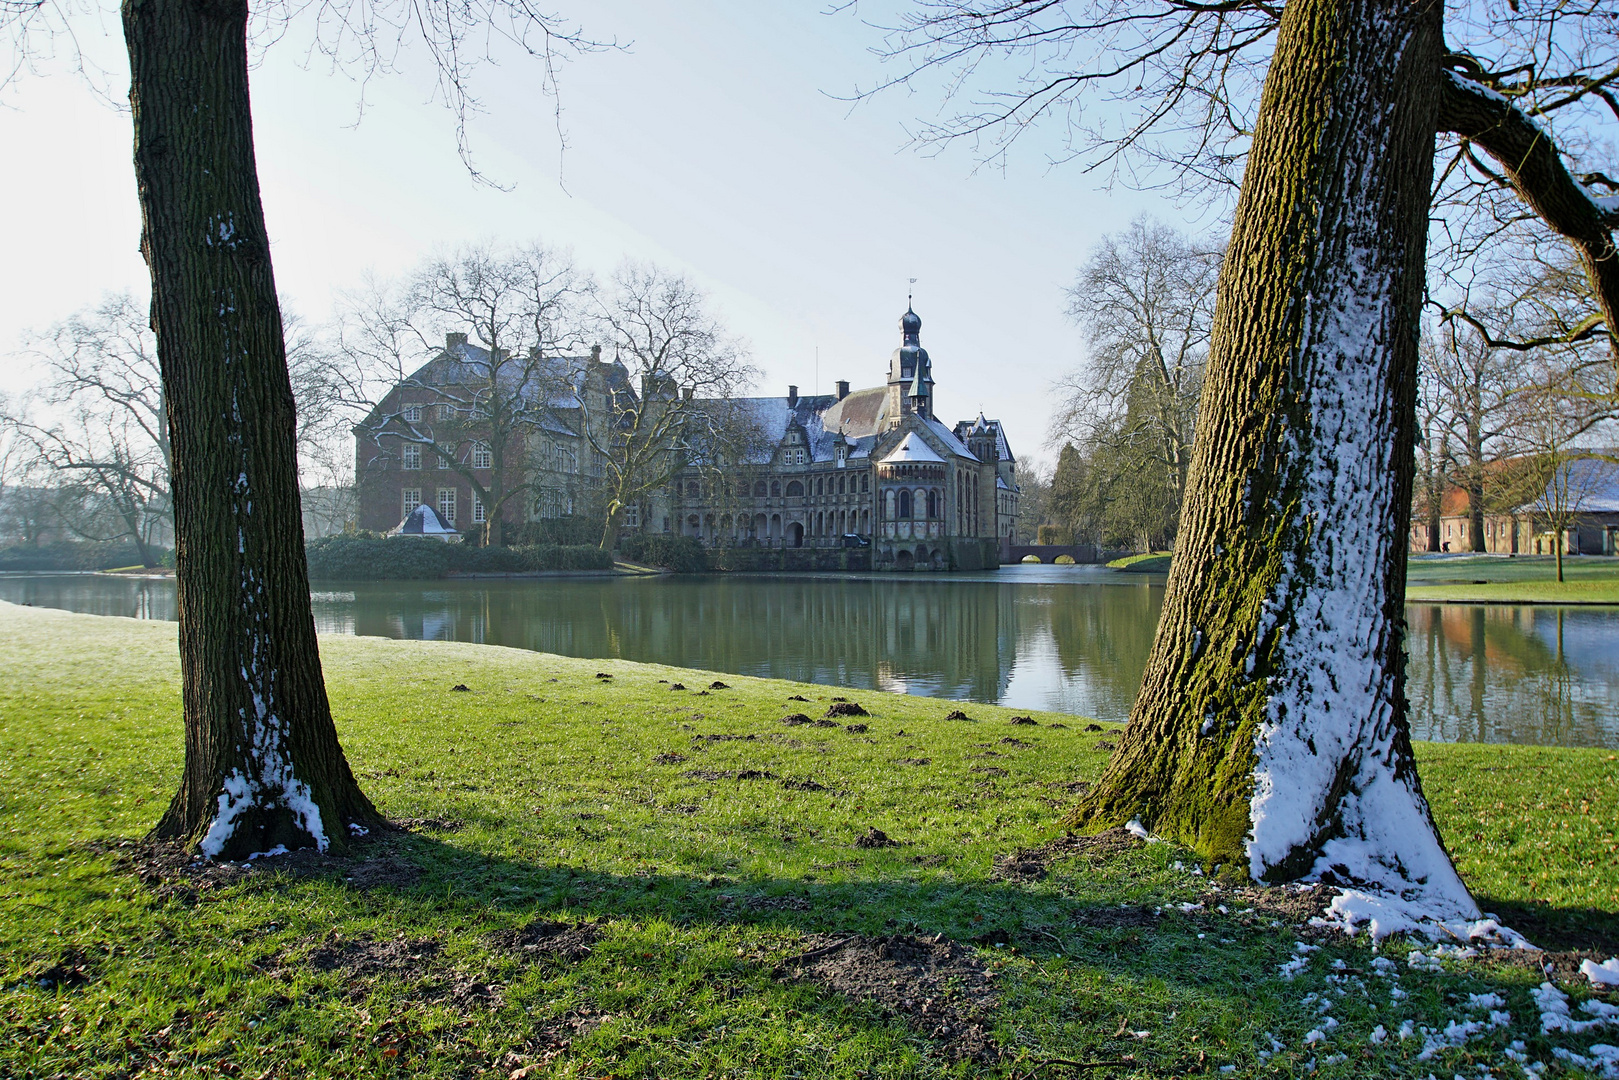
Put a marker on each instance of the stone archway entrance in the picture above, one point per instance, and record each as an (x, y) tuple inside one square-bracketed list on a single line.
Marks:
[(795, 534), (903, 560)]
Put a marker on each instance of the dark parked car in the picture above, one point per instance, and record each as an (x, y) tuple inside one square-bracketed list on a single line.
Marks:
[(855, 540)]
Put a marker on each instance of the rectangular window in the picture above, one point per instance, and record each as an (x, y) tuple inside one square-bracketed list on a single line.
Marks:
[(446, 411), (413, 414), (482, 456), (632, 517), (478, 516), (411, 498), (446, 505), (410, 457), (440, 461)]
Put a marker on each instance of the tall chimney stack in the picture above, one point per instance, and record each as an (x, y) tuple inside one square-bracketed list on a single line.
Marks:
[(792, 397), (843, 389)]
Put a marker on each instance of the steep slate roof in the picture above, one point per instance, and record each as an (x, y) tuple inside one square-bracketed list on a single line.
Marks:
[(422, 521), (911, 449), (1592, 488), (464, 364), (948, 437), (860, 414)]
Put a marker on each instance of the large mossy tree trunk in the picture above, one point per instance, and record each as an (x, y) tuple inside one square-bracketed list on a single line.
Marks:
[(1271, 730), (263, 766)]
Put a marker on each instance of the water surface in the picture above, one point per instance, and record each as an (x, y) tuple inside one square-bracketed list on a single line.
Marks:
[(1067, 639)]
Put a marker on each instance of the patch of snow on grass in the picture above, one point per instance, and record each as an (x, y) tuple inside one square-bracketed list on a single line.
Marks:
[(1603, 974)]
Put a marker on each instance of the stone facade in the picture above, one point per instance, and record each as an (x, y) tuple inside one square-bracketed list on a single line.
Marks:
[(872, 467), (425, 438)]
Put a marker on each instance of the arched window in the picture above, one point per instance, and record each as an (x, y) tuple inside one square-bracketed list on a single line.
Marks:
[(794, 489), (933, 502), (775, 488), (904, 503), (760, 490), (691, 490), (865, 482), (840, 485), (888, 505), (819, 487)]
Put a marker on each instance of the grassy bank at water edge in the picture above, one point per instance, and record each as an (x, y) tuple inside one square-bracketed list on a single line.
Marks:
[(616, 877)]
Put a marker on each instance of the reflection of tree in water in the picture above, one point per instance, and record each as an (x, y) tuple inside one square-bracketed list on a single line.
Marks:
[(937, 638), (1103, 642), (127, 597), (1479, 673), (1502, 674)]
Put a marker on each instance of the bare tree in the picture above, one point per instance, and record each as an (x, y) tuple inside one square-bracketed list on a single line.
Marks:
[(1557, 470), (1145, 300), (106, 435), (1271, 730), (685, 372), (475, 408), (264, 767), (1474, 389)]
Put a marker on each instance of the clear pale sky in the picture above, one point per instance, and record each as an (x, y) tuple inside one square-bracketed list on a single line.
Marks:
[(712, 144)]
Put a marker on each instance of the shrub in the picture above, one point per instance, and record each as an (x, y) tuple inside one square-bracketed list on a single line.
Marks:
[(682, 554), (353, 558), (72, 555), (575, 530), (408, 558)]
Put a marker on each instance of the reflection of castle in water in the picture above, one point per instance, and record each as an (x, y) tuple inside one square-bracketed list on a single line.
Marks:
[(1497, 674), (961, 639)]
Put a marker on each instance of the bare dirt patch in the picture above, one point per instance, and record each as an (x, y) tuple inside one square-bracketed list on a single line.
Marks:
[(543, 938), (846, 708), (875, 838), (413, 961), (173, 873), (669, 759), (794, 719), (1032, 864), (957, 714), (1025, 721), (935, 985)]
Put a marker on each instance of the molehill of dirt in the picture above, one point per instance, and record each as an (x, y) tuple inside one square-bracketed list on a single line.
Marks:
[(933, 984)]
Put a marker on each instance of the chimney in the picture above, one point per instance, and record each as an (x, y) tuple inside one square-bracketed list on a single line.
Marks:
[(596, 354), (843, 389), (453, 340), (792, 397)]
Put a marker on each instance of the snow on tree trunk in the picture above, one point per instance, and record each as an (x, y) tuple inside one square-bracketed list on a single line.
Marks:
[(263, 766), (1271, 731)]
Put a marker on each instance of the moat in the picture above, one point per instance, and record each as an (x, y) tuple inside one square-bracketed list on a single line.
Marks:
[(1068, 639)]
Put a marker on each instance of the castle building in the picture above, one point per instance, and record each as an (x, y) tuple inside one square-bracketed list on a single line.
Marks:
[(866, 467), (873, 469)]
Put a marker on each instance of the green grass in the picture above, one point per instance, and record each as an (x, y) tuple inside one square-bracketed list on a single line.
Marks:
[(552, 805), (1152, 562), (1519, 592)]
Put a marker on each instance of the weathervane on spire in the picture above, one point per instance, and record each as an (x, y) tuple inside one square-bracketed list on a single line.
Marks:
[(910, 300)]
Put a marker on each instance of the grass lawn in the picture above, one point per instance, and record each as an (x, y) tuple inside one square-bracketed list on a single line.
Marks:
[(1152, 562), (614, 877), (1523, 579), (1579, 591)]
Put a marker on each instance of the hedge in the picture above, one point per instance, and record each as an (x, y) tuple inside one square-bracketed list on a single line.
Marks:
[(351, 558), (682, 554), (79, 555)]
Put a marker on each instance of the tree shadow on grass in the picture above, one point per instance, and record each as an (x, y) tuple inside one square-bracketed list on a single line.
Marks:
[(414, 920)]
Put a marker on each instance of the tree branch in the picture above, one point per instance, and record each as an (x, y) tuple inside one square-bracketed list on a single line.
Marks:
[(1535, 167)]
